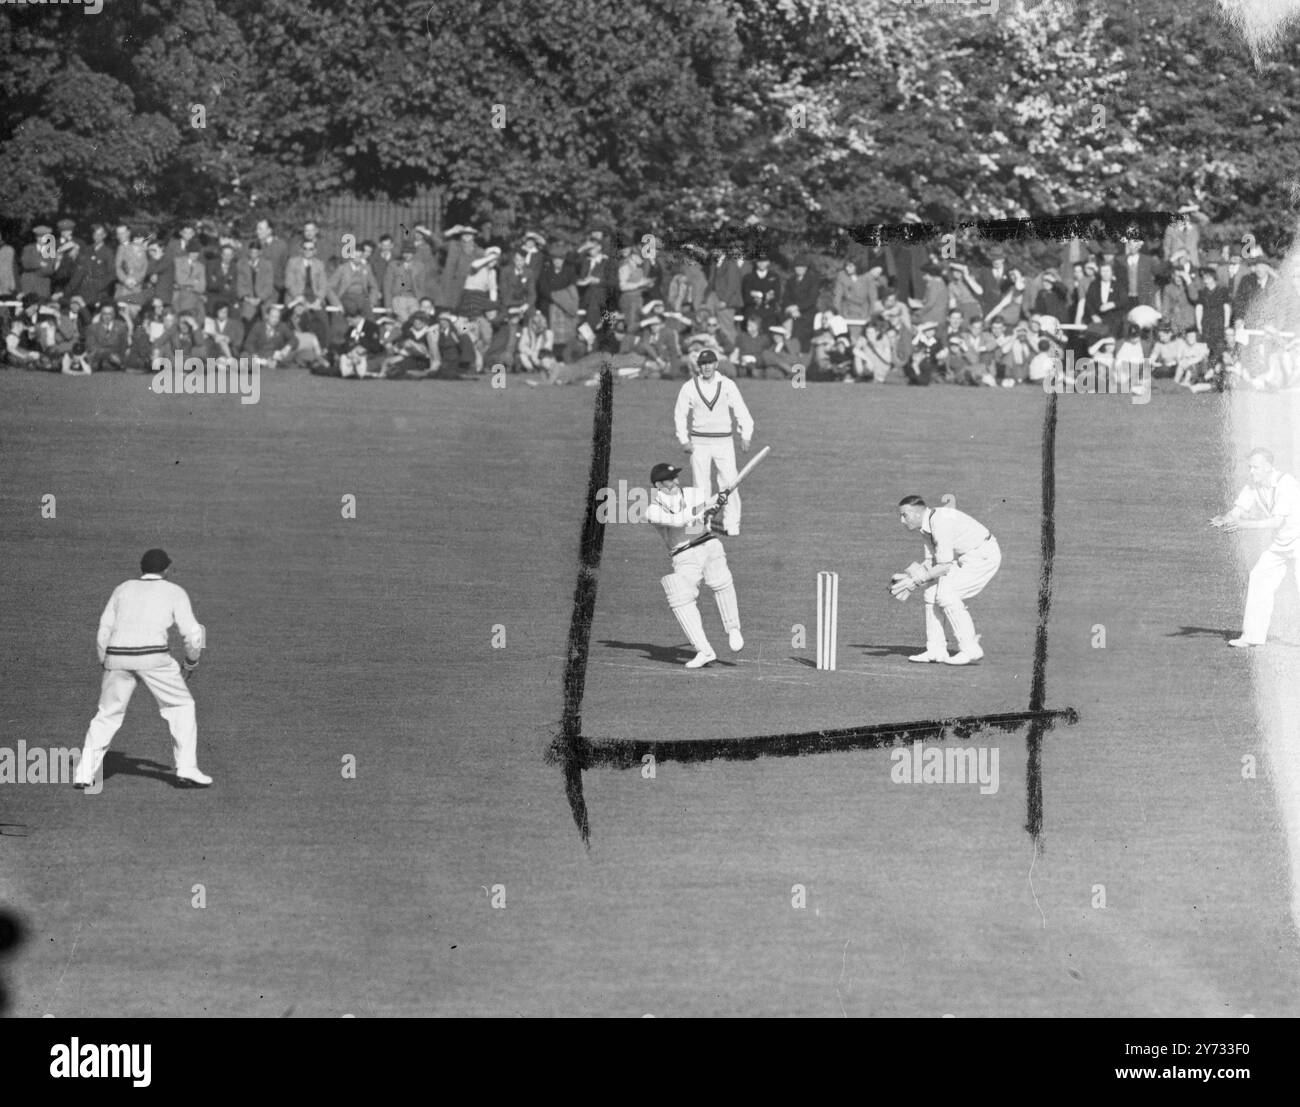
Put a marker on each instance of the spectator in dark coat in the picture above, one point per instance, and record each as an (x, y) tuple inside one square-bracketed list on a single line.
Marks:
[(39, 260), (96, 269), (222, 278), (761, 289), (106, 341), (1052, 298)]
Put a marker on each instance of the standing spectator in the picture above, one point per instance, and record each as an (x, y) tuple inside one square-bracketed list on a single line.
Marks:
[(190, 281), (380, 260), (534, 251), (853, 298), (255, 283), (761, 289), (39, 261), (131, 267), (592, 285), (1260, 277), (1136, 277), (1184, 233), (480, 290), (904, 264), (222, 278), (93, 280), (1231, 274), (402, 284), (8, 274), (933, 306), (964, 291), (305, 283), (275, 253), (803, 292), (352, 287), (1213, 312), (517, 284), (1052, 298), (1178, 295), (993, 279), (462, 252), (557, 296), (160, 280), (68, 261), (1103, 310), (726, 296)]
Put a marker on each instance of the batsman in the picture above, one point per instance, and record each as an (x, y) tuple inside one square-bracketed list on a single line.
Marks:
[(685, 519), (961, 557)]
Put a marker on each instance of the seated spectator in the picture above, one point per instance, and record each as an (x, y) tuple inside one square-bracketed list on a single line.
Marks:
[(416, 351), (305, 283), (353, 286), (1177, 291), (1044, 364), (225, 333), (222, 279), (920, 367), (785, 352), (1193, 360), (308, 352), (190, 281), (964, 291), (55, 349), (160, 279), (652, 345), (1167, 351), (952, 325), (269, 341), (874, 352), (455, 351), (106, 341), (359, 350), (255, 283), (139, 351), (498, 339), (21, 351), (536, 344)]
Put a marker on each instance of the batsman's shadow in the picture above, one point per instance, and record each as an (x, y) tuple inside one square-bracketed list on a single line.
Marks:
[(669, 655), (1201, 632), (873, 649), (127, 765)]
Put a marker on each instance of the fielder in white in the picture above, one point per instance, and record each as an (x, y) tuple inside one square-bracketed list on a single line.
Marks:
[(961, 557), (684, 519), (703, 418), (1276, 497), (132, 643)]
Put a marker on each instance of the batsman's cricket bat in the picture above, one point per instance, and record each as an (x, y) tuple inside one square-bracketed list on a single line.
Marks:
[(743, 473)]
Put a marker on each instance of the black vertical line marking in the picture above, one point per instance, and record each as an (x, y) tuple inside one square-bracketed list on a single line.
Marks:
[(568, 745), (1038, 689)]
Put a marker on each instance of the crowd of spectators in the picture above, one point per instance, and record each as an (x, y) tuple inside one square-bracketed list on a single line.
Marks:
[(460, 304)]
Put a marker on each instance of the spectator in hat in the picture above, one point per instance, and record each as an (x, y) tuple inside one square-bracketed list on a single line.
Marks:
[(306, 284), (456, 352), (39, 261), (1184, 233), (761, 288), (190, 281), (653, 347), (69, 257), (803, 291), (633, 282), (517, 282), (594, 285), (533, 248), (724, 298), (1176, 291), (785, 351), (993, 278), (558, 298), (403, 282), (964, 291), (1052, 298), (1136, 275), (462, 251), (1260, 278), (480, 287)]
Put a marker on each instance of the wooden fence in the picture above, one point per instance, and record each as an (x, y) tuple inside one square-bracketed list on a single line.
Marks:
[(368, 219)]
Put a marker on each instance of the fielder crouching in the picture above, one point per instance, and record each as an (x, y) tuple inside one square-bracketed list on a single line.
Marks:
[(961, 557), (684, 518)]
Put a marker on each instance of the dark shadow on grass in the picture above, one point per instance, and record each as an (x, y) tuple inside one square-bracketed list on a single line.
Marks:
[(871, 649), (127, 765), (675, 655), (1202, 632)]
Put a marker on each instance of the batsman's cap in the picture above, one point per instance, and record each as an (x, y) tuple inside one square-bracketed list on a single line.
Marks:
[(663, 471), (707, 357), (154, 561)]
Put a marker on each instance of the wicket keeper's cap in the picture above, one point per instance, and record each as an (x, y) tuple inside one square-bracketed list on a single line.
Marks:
[(663, 471), (154, 561), (707, 357)]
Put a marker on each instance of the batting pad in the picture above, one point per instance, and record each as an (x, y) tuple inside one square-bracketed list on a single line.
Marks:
[(680, 592), (724, 592)]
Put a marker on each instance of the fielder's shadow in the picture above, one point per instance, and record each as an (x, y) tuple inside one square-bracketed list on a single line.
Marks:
[(127, 765), (1201, 632), (873, 649), (668, 655)]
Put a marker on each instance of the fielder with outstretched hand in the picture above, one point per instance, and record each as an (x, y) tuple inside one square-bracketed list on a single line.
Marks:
[(697, 554), (961, 557)]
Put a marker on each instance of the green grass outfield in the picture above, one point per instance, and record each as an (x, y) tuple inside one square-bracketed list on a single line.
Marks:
[(372, 637)]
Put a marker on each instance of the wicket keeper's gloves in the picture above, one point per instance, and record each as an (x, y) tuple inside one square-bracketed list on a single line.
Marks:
[(188, 668)]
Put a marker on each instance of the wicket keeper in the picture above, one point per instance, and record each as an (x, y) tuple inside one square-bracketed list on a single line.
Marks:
[(961, 557)]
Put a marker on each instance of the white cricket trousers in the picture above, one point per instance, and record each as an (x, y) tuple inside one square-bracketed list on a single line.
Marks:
[(175, 704), (963, 582), (1265, 578), (707, 452)]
